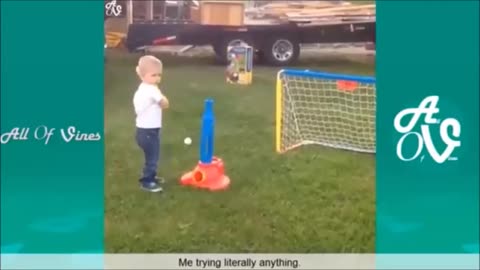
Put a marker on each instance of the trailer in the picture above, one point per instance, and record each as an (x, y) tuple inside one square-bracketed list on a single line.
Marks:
[(276, 43)]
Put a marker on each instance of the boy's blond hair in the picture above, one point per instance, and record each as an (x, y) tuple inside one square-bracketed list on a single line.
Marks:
[(148, 63)]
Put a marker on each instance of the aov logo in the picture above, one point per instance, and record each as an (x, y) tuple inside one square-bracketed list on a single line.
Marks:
[(449, 131), (113, 9)]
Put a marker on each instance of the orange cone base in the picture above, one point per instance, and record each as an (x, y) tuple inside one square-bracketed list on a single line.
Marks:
[(207, 176)]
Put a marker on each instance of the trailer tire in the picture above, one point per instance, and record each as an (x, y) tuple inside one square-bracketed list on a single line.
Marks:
[(281, 50), (220, 48)]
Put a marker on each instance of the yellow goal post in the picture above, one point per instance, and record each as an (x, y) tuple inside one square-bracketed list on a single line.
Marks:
[(332, 110)]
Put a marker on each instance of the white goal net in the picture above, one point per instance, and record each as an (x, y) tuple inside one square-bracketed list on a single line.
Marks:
[(332, 110)]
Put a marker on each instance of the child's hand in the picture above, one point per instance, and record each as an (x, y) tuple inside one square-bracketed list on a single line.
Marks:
[(164, 103)]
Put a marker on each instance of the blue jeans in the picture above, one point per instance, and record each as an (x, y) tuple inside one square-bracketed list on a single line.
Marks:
[(149, 141)]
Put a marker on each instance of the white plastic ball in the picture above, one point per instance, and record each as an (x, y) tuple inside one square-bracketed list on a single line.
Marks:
[(187, 141)]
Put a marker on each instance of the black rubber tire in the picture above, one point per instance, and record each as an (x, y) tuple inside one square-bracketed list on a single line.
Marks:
[(220, 48), (269, 55)]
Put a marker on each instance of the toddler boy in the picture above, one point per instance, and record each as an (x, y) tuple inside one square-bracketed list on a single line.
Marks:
[(148, 102)]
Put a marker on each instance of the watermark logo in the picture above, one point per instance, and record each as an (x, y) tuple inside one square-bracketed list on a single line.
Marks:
[(44, 134), (450, 129), (113, 9)]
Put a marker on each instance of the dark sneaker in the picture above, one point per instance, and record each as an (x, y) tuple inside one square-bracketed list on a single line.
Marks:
[(151, 186)]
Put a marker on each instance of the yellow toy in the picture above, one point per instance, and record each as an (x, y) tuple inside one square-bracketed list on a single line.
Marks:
[(239, 71)]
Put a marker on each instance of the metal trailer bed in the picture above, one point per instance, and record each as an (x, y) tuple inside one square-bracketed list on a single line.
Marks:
[(276, 44)]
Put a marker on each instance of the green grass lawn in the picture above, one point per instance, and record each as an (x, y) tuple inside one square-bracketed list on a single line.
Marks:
[(312, 199)]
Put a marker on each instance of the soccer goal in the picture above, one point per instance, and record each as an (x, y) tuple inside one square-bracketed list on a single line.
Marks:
[(332, 110)]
